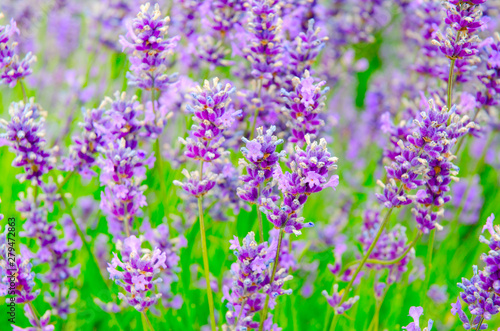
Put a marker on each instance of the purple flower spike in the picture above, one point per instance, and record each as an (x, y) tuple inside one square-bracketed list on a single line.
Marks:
[(265, 50), (213, 112), (42, 326), (123, 115), (83, 151), (262, 159), (26, 138), (309, 174), (334, 300), (304, 50), (123, 170), (251, 284), (462, 19), (11, 68), (150, 49), (415, 313), (481, 292), (196, 186), (303, 106), (19, 273), (136, 272)]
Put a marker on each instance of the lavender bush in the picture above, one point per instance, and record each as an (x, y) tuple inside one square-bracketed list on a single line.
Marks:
[(249, 165)]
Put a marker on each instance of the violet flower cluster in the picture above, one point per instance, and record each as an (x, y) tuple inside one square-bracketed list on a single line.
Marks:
[(83, 152), (137, 272), (123, 170), (25, 135), (426, 161), (482, 292), (12, 69), (53, 250), (265, 50), (251, 283), (309, 174), (150, 49), (303, 106), (261, 161), (415, 313)]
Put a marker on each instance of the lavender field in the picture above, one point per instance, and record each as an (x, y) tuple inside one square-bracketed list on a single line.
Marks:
[(240, 165)]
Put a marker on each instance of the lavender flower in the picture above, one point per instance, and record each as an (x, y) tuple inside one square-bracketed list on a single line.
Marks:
[(334, 300), (18, 275), (251, 282), (264, 53), (213, 112), (159, 237), (480, 293), (391, 245), (41, 324), (123, 116), (438, 293), (415, 313), (463, 19), (303, 106), (304, 50), (83, 151), (150, 49), (26, 138), (137, 272), (12, 69), (262, 159), (123, 171), (309, 174)]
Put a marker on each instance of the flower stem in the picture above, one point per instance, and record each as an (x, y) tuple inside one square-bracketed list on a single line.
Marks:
[(159, 163), (361, 264), (205, 256), (388, 262), (450, 83), (35, 315), (256, 113), (80, 233), (65, 180), (430, 248), (479, 324), (148, 323), (264, 311), (259, 217), (25, 96)]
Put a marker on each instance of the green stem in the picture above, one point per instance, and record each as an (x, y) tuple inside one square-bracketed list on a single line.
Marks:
[(450, 83), (65, 180), (159, 163), (256, 113), (361, 264), (389, 262), (205, 256), (25, 96), (264, 311), (33, 312), (259, 217), (80, 233), (148, 323), (430, 248), (479, 324)]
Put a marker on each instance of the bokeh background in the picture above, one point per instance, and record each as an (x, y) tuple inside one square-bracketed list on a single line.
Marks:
[(79, 63)]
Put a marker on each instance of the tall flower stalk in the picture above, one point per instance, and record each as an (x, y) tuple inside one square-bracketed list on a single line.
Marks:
[(213, 112)]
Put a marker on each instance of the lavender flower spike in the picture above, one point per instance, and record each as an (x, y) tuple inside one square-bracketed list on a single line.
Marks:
[(334, 300), (150, 49), (11, 68), (26, 137), (137, 273), (213, 113), (415, 313)]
